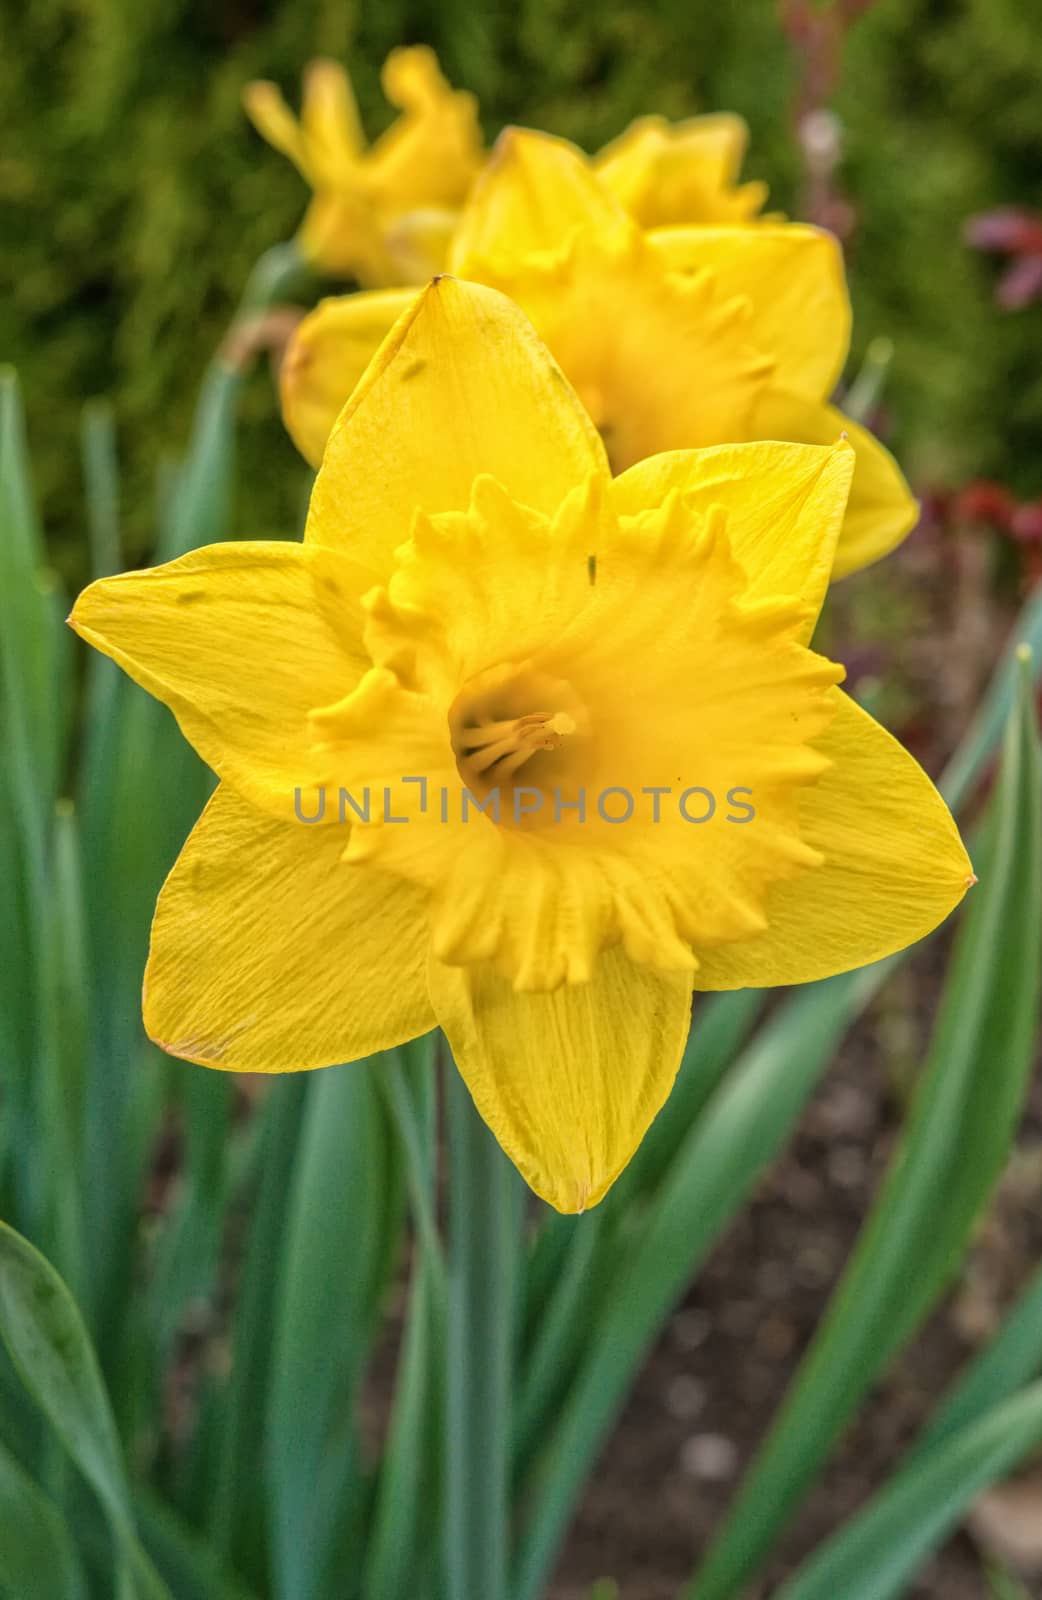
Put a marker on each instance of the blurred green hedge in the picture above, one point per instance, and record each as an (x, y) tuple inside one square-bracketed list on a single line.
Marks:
[(135, 197)]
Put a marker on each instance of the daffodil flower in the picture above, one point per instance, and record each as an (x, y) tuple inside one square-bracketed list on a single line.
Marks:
[(478, 607), (681, 174), (383, 214), (675, 337)]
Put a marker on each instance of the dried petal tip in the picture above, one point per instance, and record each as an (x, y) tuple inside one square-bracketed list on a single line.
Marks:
[(971, 880)]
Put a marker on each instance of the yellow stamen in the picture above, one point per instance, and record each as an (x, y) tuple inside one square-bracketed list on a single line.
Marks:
[(508, 745)]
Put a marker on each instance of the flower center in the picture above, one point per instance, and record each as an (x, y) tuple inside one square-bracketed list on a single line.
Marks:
[(501, 748), (515, 725)]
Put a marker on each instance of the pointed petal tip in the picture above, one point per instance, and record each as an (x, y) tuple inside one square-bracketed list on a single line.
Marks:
[(323, 66), (259, 94), (505, 143)]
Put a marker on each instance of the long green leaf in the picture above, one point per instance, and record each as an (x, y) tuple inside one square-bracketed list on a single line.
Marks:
[(406, 1515), (876, 1554), (574, 1259), (32, 650), (743, 1125), (1011, 1360), (984, 735), (192, 1568), (334, 1270), (483, 1223), (52, 1353), (62, 1001), (201, 507), (1002, 1585), (954, 1145), (237, 1519), (32, 725), (38, 1560), (142, 788), (101, 484)]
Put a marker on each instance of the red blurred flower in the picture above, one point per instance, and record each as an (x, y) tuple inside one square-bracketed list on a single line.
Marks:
[(1026, 523), (1018, 234), (986, 502)]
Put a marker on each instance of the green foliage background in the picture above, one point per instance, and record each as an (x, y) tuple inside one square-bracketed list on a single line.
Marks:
[(135, 197)]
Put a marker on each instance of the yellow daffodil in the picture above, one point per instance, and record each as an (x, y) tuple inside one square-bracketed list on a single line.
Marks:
[(514, 747), (680, 174), (382, 214), (675, 337)]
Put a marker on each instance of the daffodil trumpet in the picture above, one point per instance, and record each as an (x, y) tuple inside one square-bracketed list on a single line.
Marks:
[(439, 620)]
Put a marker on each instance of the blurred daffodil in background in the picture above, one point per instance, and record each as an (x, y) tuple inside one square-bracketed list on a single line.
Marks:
[(676, 174), (381, 213), (675, 337), (480, 605)]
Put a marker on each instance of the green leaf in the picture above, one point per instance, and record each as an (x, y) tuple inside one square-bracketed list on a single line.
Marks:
[(722, 1023), (37, 1558), (237, 1521), (137, 766), (53, 1356), (1002, 1585), (574, 1259), (335, 1261), (877, 1553), (32, 702), (201, 509), (33, 651), (743, 1125), (61, 1029), (977, 746), (1012, 1358), (484, 1251), (414, 1137), (101, 482), (193, 1569), (561, 1333), (406, 1514), (953, 1147)]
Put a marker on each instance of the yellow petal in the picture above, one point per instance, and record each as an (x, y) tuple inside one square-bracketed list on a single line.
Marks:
[(271, 955), (330, 121), (418, 242), (568, 1082), (881, 511), (326, 356), (660, 359), (794, 281), (266, 108), (668, 174), (241, 641), (461, 386), (894, 866), (535, 192), (432, 153), (342, 236), (784, 502)]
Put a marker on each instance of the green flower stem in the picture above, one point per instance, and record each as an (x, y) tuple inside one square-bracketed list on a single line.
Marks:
[(279, 272)]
